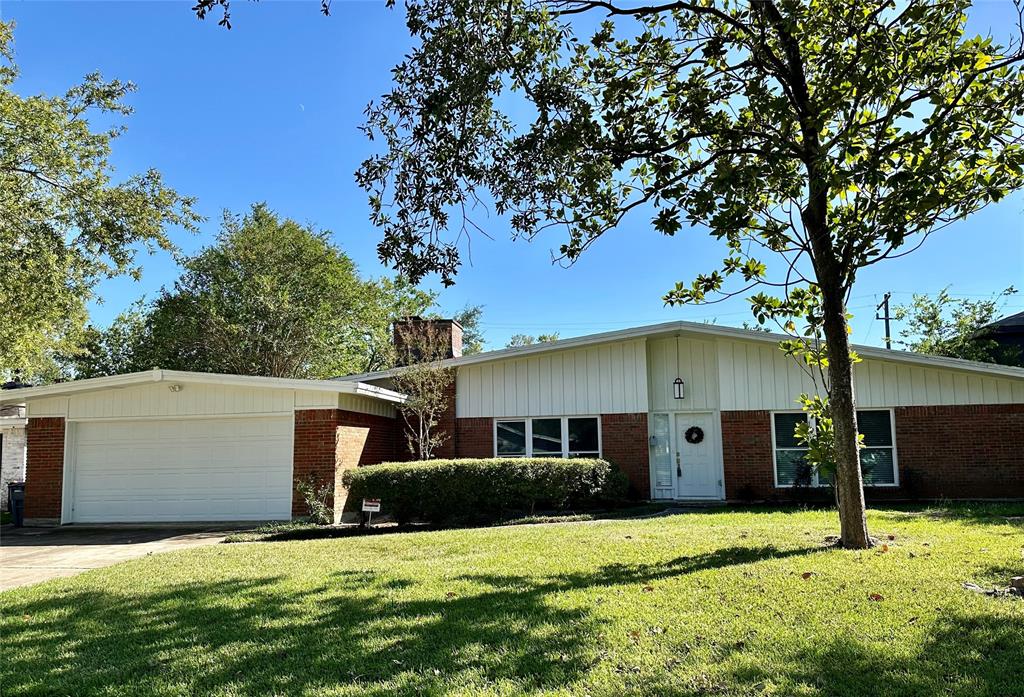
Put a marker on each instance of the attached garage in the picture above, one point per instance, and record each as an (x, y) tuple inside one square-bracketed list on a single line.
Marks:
[(182, 470), (170, 446)]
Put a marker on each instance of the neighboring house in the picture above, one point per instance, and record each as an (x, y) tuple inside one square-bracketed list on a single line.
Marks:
[(12, 448), (1008, 332), (688, 411)]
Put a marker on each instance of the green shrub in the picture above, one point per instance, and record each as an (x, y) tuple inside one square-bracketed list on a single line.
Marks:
[(449, 491)]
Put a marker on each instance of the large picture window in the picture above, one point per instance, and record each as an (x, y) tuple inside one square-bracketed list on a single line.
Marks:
[(549, 436), (877, 457)]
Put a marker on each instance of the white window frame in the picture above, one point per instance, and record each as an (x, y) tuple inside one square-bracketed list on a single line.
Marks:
[(529, 435), (817, 483)]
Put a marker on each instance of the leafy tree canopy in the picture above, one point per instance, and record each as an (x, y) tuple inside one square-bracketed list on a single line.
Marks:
[(823, 137), (65, 221), (470, 318), (271, 297), (946, 326)]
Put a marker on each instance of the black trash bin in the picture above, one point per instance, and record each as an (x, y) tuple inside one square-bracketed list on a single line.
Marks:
[(16, 502)]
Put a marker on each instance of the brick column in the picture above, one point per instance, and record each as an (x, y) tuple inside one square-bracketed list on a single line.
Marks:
[(624, 443), (313, 451), (329, 441), (44, 469)]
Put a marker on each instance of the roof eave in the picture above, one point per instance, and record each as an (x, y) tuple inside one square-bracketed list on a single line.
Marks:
[(19, 395), (699, 328)]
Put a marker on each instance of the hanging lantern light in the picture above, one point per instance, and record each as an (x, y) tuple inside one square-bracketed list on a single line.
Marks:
[(677, 388)]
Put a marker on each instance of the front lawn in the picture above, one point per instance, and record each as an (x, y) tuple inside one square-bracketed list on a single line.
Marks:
[(718, 602)]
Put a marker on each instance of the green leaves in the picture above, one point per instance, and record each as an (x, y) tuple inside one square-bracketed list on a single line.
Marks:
[(65, 223)]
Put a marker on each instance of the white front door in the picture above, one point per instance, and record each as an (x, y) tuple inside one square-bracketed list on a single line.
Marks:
[(697, 471)]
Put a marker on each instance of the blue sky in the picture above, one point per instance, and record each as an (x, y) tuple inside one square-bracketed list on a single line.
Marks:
[(269, 112)]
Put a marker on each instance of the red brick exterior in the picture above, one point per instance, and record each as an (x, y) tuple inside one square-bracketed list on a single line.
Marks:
[(961, 452), (747, 455), (329, 441), (313, 451), (956, 452), (474, 437), (624, 443), (44, 468)]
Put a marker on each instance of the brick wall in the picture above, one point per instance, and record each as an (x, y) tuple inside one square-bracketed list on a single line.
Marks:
[(957, 452), (474, 437), (329, 441), (747, 455), (624, 443), (12, 459), (314, 449), (44, 468)]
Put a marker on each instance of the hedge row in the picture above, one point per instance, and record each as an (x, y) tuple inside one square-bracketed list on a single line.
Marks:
[(447, 491)]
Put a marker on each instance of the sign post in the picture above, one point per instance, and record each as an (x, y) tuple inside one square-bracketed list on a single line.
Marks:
[(371, 506)]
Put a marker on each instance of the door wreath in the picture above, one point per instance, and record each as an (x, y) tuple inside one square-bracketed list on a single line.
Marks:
[(694, 435)]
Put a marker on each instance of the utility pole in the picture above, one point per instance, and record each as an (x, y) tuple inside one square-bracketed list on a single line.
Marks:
[(884, 305)]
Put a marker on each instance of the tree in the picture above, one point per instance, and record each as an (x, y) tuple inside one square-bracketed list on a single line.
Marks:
[(65, 223), (823, 136), (527, 340), (120, 348), (469, 319), (271, 297), (946, 326), (426, 383)]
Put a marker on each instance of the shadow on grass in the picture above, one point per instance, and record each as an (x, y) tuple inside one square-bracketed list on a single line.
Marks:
[(358, 629), (967, 655)]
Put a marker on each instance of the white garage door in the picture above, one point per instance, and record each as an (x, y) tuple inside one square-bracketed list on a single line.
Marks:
[(184, 469)]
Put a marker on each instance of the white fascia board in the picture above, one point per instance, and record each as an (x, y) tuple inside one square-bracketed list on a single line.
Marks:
[(19, 395), (710, 330)]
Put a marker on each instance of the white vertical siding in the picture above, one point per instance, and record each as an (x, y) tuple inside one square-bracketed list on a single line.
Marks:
[(757, 375), (693, 360), (358, 403), (603, 379)]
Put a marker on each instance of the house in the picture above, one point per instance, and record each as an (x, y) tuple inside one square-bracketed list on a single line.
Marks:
[(1007, 333), (12, 448), (688, 411)]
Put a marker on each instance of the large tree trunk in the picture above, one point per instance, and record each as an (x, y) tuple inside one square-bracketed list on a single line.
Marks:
[(843, 406)]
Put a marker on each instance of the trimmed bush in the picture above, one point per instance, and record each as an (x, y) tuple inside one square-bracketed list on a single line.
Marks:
[(449, 491)]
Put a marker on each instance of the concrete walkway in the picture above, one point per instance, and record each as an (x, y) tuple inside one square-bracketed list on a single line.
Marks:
[(33, 555)]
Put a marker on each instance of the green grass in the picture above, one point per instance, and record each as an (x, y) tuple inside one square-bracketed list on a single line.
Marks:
[(699, 603)]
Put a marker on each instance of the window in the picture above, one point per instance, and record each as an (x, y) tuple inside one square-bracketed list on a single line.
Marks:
[(556, 436), (790, 456), (877, 457)]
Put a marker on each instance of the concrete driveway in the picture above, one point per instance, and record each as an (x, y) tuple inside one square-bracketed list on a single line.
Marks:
[(33, 555)]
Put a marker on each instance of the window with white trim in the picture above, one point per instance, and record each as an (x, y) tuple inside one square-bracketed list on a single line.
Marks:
[(877, 457), (548, 436)]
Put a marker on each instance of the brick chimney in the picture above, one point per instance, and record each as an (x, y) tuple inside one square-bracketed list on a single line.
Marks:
[(418, 338)]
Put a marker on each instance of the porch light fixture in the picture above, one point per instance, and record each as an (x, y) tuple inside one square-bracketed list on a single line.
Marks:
[(677, 388), (174, 388)]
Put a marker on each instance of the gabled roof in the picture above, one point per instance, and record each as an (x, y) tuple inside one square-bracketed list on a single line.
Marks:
[(668, 328), (1014, 324), (19, 395)]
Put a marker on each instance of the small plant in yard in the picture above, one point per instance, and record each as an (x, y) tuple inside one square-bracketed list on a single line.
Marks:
[(317, 495)]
